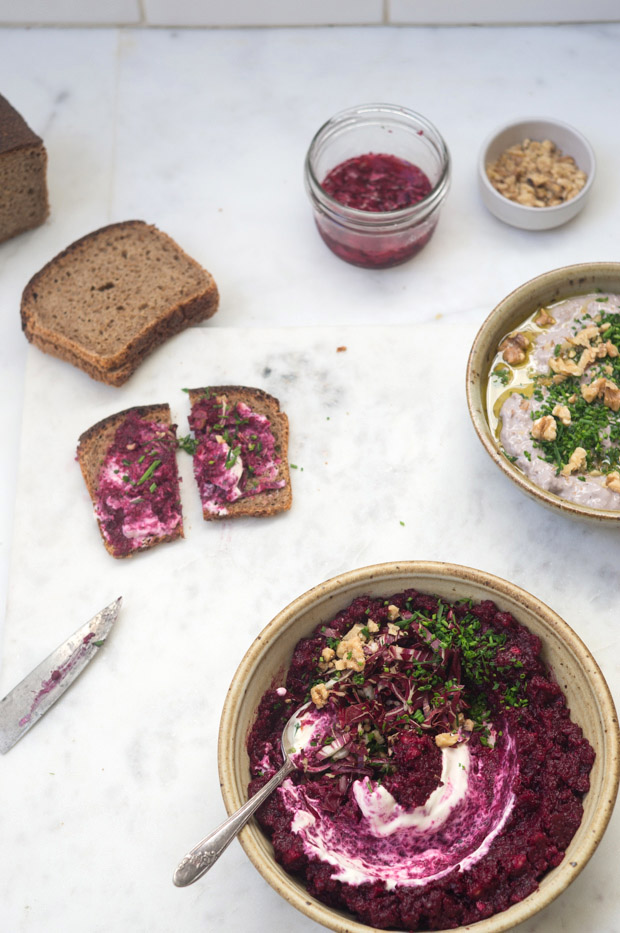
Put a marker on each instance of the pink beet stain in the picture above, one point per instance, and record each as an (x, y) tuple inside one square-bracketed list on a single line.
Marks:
[(56, 677)]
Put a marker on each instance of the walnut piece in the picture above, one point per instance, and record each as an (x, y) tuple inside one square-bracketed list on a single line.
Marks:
[(612, 481), (319, 695), (393, 612), (562, 413), (350, 650), (584, 337), (545, 428), (576, 461), (543, 318), (514, 348), (605, 389), (536, 174)]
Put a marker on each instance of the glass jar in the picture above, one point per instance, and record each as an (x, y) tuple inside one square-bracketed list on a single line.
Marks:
[(374, 238)]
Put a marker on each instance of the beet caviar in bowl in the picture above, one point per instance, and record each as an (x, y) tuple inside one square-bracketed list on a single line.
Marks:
[(377, 176), (471, 748)]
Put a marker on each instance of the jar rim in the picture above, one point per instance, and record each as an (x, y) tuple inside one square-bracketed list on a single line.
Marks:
[(420, 209)]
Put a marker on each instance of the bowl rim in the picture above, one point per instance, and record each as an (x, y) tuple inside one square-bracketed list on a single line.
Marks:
[(477, 413), (283, 883), (526, 209)]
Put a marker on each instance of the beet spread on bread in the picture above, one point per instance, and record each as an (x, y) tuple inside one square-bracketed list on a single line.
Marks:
[(241, 448), (128, 461)]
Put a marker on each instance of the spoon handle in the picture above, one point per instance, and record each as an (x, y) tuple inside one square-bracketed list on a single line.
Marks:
[(198, 862)]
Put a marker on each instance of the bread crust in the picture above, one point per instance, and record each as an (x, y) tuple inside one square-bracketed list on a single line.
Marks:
[(270, 501), (93, 445), (186, 311), (24, 202), (14, 131)]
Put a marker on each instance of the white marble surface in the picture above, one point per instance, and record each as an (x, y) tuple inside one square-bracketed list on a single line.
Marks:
[(204, 133)]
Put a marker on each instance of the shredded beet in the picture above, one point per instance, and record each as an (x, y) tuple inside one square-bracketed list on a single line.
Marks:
[(377, 182), (402, 678)]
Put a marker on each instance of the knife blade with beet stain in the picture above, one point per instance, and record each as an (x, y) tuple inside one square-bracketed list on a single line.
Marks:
[(40, 689)]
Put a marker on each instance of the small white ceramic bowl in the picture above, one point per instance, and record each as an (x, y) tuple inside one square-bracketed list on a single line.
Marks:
[(513, 310), (566, 138), (268, 658)]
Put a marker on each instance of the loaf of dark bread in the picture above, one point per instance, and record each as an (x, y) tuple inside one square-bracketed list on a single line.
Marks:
[(112, 297), (23, 184), (236, 421), (128, 461)]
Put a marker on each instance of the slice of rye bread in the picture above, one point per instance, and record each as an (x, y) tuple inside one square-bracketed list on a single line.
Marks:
[(93, 445), (113, 296), (23, 166), (270, 501), (112, 377)]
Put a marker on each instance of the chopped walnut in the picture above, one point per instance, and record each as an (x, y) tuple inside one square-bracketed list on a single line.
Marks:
[(319, 695), (393, 613), (611, 395), (372, 626), (562, 413), (584, 337), (588, 356), (612, 349), (350, 650), (328, 654), (605, 389), (545, 428), (564, 367), (543, 318), (568, 367), (591, 390), (514, 348), (612, 481), (576, 461), (446, 739), (536, 174)]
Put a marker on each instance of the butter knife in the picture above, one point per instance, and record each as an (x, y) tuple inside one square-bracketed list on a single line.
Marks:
[(40, 689)]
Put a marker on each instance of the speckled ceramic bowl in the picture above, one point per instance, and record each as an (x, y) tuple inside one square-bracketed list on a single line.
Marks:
[(267, 660), (509, 313), (569, 140)]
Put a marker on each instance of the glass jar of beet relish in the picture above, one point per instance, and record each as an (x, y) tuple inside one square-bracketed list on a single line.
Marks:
[(377, 176)]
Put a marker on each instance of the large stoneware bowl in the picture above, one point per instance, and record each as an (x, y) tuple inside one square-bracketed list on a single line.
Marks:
[(267, 660), (567, 282)]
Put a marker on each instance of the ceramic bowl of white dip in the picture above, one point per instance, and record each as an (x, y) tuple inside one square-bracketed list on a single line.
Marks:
[(545, 291), (265, 664), (530, 212)]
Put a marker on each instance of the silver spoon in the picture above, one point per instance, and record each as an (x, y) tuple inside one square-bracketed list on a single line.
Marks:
[(296, 735)]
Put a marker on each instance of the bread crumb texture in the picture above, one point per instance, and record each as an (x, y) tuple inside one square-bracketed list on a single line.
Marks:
[(23, 165), (113, 296)]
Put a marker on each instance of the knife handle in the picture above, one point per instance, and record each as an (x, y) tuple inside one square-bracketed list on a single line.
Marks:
[(203, 856)]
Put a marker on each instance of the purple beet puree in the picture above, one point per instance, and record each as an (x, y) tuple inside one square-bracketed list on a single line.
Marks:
[(513, 799), (236, 455), (139, 485)]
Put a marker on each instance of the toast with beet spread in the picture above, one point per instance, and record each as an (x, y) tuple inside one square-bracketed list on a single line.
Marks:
[(240, 450), (128, 461), (112, 297)]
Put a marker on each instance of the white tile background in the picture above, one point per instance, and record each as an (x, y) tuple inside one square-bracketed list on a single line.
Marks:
[(303, 12)]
